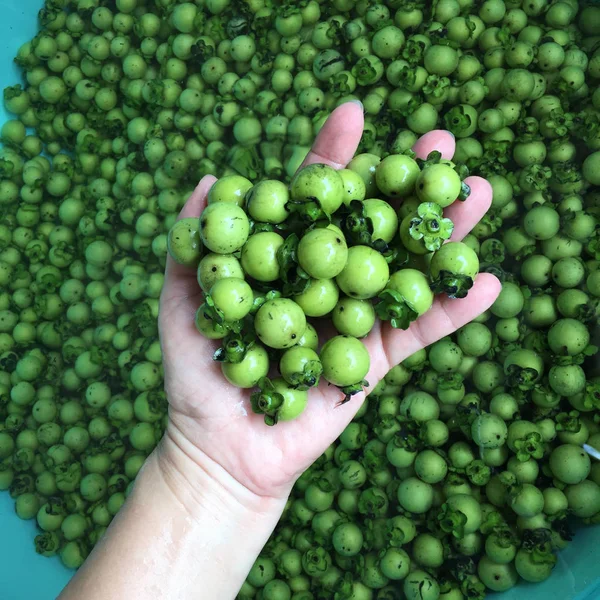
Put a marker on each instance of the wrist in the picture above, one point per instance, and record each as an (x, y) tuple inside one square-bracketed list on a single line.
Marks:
[(227, 525), (196, 480), (191, 526), (186, 526)]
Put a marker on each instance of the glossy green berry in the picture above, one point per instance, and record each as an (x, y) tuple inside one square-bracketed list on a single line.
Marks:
[(278, 401), (396, 175), (353, 317), (280, 323), (497, 577), (316, 189), (382, 217), (570, 463), (319, 298), (267, 201), (310, 338), (453, 269), (365, 165), (345, 360), (347, 539), (184, 243), (415, 495), (259, 256), (354, 186), (406, 296), (438, 183), (207, 326), (232, 298), (365, 274), (224, 227), (300, 367), (252, 368), (489, 431), (231, 188), (322, 253), (218, 266)]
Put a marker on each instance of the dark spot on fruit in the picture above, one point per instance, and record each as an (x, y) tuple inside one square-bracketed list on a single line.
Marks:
[(214, 269)]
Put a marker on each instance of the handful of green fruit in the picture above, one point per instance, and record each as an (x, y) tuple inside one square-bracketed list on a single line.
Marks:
[(270, 257)]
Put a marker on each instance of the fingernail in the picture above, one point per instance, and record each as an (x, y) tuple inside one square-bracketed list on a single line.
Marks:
[(358, 103), (453, 136)]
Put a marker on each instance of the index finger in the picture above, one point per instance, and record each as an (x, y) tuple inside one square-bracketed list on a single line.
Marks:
[(339, 137)]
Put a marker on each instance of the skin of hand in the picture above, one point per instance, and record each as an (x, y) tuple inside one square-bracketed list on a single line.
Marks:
[(209, 496)]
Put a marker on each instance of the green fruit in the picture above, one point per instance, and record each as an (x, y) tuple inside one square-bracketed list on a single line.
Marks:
[(345, 361), (280, 323)]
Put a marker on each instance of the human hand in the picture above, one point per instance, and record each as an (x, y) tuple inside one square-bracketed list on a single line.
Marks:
[(211, 425)]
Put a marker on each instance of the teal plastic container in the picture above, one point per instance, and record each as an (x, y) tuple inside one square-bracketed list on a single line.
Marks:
[(24, 575)]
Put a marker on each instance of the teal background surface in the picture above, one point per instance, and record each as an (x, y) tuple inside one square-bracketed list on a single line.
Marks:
[(18, 23), (24, 575)]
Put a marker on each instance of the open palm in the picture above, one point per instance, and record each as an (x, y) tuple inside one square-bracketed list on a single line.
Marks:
[(213, 419)]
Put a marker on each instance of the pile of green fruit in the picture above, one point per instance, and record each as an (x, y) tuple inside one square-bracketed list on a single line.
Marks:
[(461, 469), (316, 249)]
